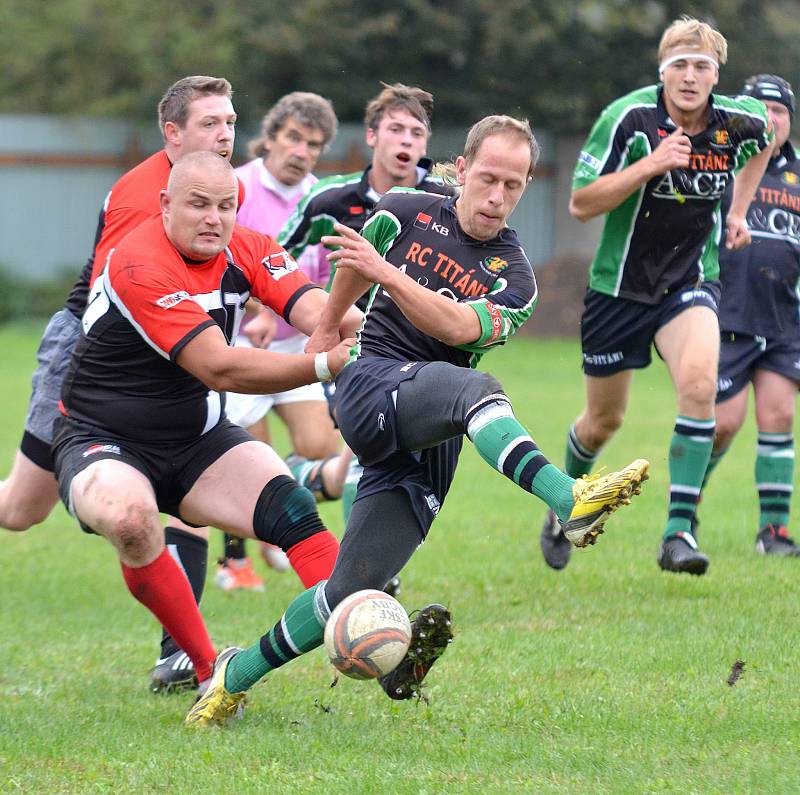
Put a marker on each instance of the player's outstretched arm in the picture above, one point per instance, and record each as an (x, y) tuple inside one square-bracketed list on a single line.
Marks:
[(208, 357), (306, 315), (744, 189), (606, 193)]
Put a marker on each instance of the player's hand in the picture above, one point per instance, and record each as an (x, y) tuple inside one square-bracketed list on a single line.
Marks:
[(738, 233), (672, 152), (261, 328), (356, 253), (339, 355), (322, 340)]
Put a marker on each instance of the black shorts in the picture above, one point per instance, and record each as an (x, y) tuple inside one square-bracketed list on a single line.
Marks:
[(172, 469), (741, 354), (617, 334), (364, 408)]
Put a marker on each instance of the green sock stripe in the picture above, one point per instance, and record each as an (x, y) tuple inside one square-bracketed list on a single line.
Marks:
[(520, 468), (578, 459)]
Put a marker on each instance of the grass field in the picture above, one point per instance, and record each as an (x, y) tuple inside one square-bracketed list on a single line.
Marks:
[(607, 677)]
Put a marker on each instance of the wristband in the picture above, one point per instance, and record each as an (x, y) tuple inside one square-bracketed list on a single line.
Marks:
[(321, 367)]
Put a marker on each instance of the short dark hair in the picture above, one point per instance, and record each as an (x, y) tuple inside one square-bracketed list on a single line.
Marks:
[(413, 100), (310, 110), (174, 105)]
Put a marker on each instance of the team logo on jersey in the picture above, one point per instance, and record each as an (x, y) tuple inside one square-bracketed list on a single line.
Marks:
[(422, 221), (279, 265), (721, 137), (590, 160), (168, 301), (789, 177), (101, 448), (494, 265)]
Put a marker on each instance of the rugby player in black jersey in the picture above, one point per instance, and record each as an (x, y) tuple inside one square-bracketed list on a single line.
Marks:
[(448, 282), (760, 323), (656, 164)]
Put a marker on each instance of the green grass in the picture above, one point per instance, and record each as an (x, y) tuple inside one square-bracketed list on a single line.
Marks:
[(607, 677)]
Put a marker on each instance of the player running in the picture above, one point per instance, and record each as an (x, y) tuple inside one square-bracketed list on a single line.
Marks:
[(449, 281), (760, 321), (656, 164)]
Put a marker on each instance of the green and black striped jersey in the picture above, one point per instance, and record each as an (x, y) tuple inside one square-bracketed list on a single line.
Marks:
[(666, 235), (419, 233), (345, 198)]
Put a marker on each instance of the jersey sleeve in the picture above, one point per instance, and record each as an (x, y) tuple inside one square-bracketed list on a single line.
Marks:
[(306, 226), (382, 229), (155, 300), (613, 145), (505, 308), (756, 133), (277, 282)]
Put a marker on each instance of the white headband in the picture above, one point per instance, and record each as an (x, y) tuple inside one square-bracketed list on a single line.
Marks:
[(685, 56)]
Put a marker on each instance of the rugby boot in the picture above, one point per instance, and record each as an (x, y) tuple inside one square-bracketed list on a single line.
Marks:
[(597, 497), (393, 587), (431, 633), (173, 673), (238, 574), (556, 547), (680, 553), (216, 705), (773, 540)]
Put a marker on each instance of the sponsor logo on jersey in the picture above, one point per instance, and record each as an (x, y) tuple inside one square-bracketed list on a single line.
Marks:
[(439, 229), (697, 295), (789, 177), (496, 317), (724, 384), (422, 221), (494, 265), (279, 265), (662, 133), (721, 138), (101, 448), (590, 160), (356, 210), (406, 367), (603, 358), (433, 503), (168, 301)]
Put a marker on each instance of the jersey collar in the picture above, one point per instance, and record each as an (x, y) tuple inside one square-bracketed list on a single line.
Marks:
[(368, 194)]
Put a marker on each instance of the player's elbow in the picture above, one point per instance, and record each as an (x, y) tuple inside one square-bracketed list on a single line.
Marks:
[(578, 210)]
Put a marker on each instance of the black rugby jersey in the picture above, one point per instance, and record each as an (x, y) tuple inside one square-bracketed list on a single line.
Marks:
[(760, 282), (419, 233), (665, 236), (345, 198)]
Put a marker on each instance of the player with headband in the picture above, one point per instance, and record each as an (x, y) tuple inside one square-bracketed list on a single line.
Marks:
[(656, 165)]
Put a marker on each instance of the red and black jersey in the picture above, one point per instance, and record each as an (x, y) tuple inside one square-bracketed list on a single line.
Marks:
[(134, 197), (148, 303)]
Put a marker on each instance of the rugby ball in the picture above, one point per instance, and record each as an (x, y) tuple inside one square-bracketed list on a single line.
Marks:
[(367, 635)]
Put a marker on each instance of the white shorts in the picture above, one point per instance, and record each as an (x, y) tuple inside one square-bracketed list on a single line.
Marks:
[(247, 410)]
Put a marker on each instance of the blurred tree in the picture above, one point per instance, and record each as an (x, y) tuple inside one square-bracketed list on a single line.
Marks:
[(557, 62)]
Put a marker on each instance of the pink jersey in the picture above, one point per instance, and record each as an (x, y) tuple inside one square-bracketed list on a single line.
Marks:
[(266, 208)]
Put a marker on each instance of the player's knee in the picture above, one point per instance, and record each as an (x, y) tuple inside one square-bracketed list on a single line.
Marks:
[(481, 390), (132, 528), (697, 390), (285, 513), (600, 426)]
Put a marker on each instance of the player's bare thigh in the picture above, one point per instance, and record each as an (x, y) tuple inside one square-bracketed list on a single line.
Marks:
[(117, 501), (225, 495), (689, 345), (27, 495), (310, 427)]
